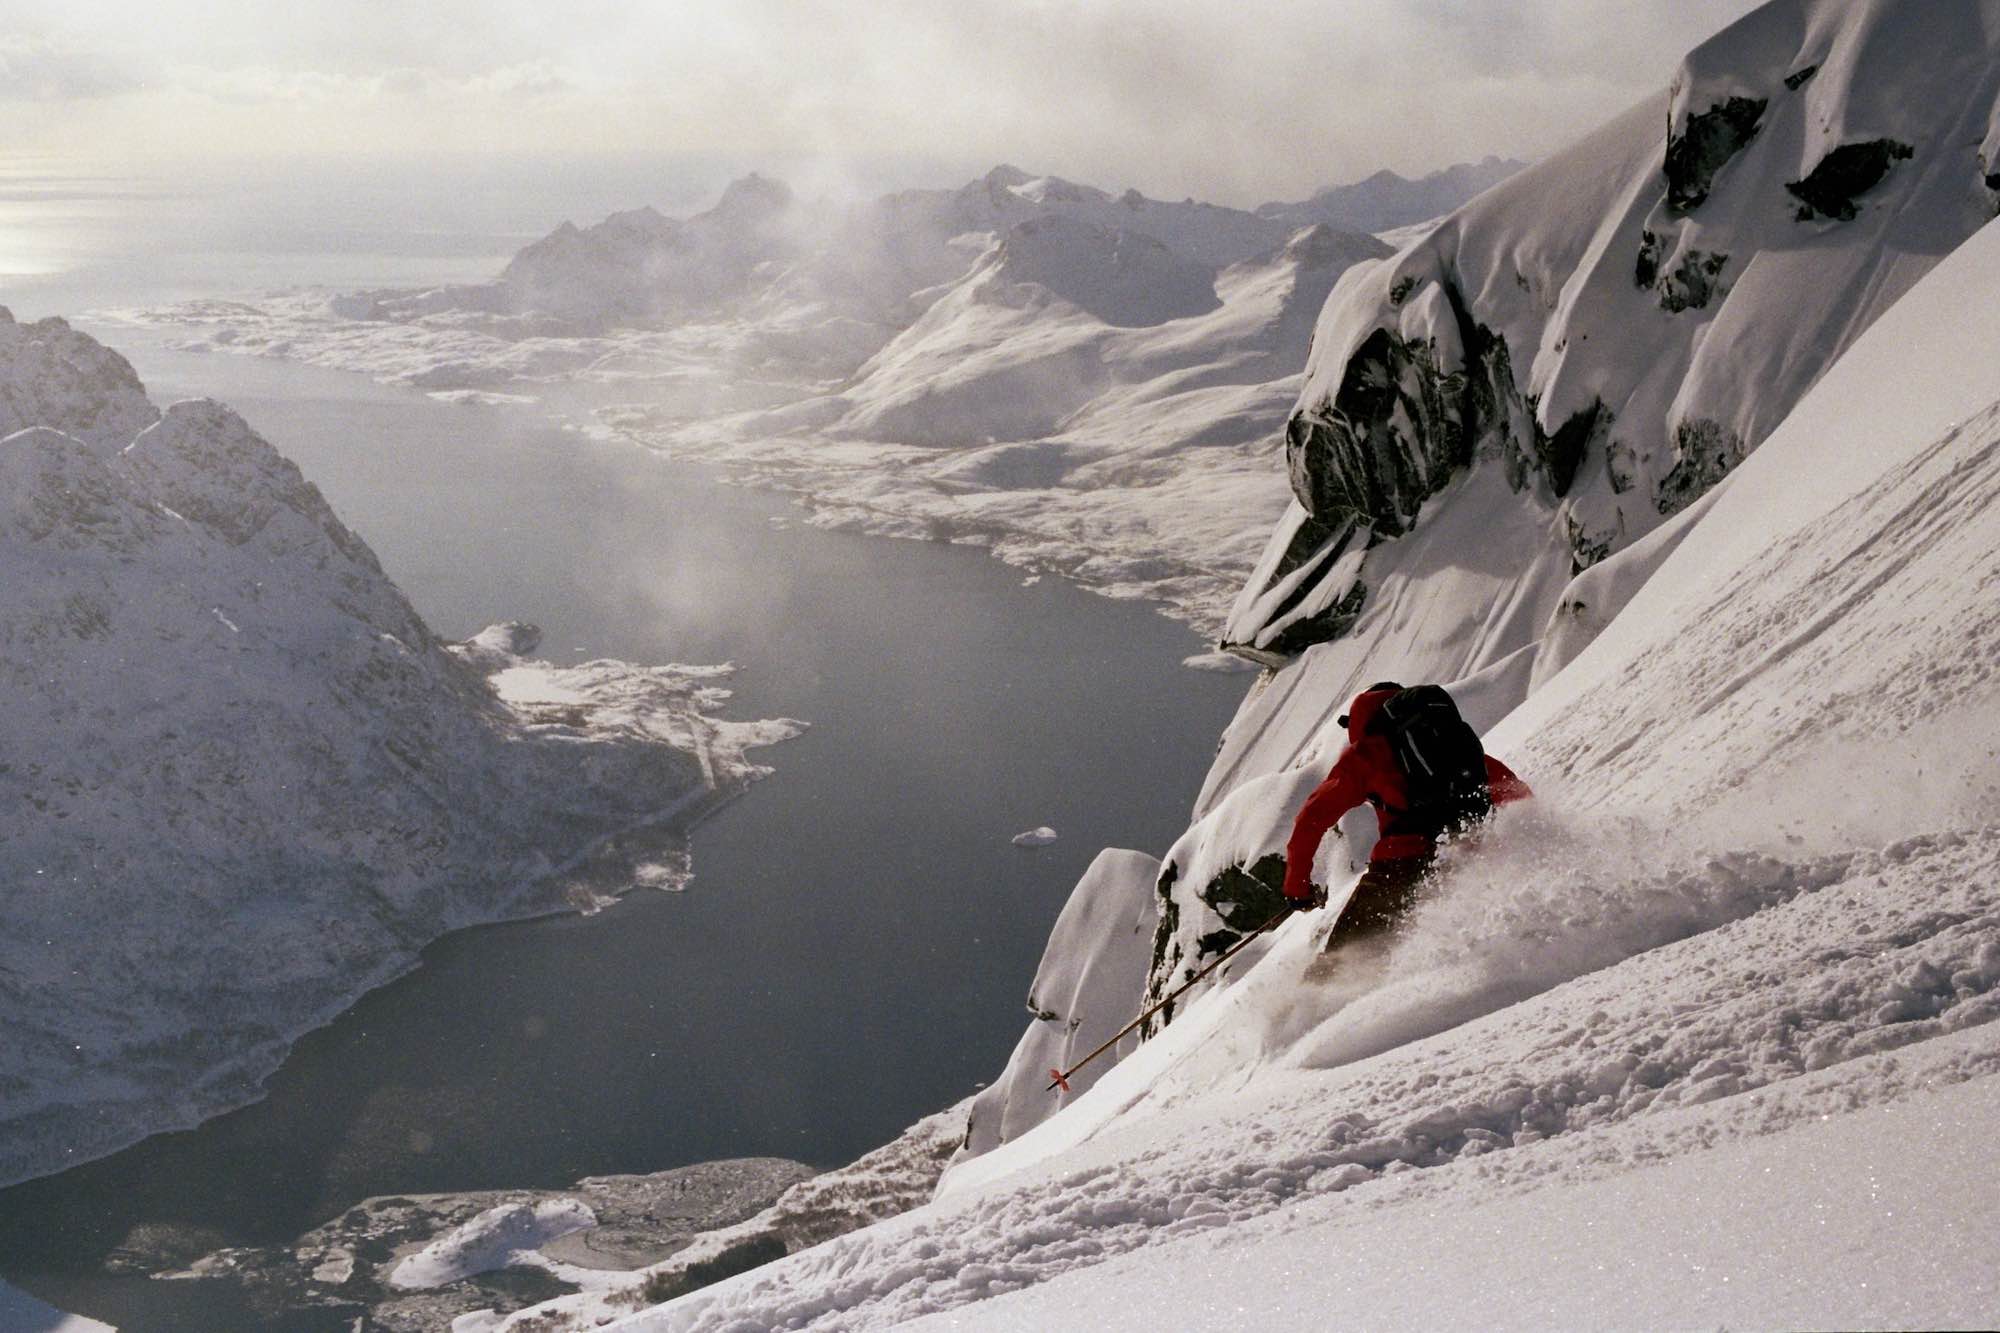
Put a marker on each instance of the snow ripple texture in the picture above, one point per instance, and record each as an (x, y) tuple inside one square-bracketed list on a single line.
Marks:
[(1781, 989)]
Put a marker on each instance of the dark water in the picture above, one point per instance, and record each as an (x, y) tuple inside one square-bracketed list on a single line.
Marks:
[(858, 940)]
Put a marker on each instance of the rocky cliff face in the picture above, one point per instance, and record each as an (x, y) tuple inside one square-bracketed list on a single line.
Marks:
[(243, 780), (1577, 355), (1616, 328)]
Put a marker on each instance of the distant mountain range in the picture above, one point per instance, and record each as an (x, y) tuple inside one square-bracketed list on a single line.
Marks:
[(1386, 201)]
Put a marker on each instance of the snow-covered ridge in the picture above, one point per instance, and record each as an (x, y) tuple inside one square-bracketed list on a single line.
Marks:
[(244, 781), (1386, 201)]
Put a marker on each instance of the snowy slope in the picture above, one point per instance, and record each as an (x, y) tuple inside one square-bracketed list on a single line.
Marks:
[(243, 781), (1747, 944), (1581, 352)]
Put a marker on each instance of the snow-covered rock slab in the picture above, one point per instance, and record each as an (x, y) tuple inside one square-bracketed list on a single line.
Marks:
[(499, 1237), (885, 1183), (459, 1244)]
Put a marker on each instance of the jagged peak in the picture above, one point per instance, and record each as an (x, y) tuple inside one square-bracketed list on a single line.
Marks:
[(754, 194), (56, 488), (206, 463), (1005, 176), (643, 218), (57, 377)]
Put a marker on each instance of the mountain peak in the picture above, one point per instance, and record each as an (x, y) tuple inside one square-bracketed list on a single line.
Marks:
[(754, 194)]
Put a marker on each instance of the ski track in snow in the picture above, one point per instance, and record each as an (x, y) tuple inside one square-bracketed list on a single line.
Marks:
[(1786, 990)]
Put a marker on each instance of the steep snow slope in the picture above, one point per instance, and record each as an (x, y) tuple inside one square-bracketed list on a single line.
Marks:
[(1753, 922), (1899, 1203), (1585, 349), (243, 781)]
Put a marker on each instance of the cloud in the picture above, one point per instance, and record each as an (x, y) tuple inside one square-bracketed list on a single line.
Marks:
[(1239, 100), (257, 84), (36, 69)]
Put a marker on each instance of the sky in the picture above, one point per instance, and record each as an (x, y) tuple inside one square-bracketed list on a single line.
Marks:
[(1236, 101)]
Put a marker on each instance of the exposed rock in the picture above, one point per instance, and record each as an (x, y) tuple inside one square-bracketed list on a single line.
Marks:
[(1392, 436), (1704, 145), (1844, 174), (347, 1263), (1223, 879), (1706, 451), (53, 376)]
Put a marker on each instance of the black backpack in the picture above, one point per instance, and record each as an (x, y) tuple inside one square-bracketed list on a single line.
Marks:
[(1440, 757)]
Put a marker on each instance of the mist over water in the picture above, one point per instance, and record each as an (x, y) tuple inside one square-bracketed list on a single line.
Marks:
[(77, 234)]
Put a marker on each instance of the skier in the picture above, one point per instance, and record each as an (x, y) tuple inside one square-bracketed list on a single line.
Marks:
[(1411, 756)]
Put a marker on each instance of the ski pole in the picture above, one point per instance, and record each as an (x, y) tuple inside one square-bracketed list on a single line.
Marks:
[(1061, 1076)]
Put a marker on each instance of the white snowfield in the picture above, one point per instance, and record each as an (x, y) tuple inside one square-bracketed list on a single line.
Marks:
[(242, 781), (1703, 1035)]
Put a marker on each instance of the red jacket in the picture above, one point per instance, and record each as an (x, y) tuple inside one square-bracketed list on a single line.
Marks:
[(1366, 772)]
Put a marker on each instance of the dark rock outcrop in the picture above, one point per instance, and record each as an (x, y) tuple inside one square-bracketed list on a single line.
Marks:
[(1705, 145), (1843, 175)]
